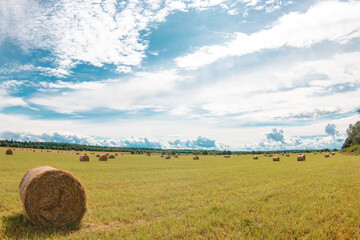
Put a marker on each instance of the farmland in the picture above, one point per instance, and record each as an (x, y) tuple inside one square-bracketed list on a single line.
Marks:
[(142, 197)]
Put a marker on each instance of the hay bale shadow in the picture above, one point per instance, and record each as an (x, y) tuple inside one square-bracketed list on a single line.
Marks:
[(16, 227)]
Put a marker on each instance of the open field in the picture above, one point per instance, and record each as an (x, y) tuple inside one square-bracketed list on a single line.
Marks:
[(141, 197)]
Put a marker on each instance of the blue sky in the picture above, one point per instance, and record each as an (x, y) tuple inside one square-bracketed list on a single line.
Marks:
[(201, 74)]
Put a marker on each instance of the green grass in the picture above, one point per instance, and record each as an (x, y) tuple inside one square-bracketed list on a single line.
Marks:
[(140, 197), (352, 149)]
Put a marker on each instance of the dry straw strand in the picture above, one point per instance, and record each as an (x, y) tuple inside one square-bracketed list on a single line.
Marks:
[(52, 197)]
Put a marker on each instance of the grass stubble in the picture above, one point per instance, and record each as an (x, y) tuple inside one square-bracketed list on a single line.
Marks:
[(141, 197)]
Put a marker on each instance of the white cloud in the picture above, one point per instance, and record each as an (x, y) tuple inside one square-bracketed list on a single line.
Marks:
[(144, 90), (313, 89), (326, 21), (93, 32)]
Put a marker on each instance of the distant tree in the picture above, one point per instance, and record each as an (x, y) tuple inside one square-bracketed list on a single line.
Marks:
[(205, 152), (353, 133)]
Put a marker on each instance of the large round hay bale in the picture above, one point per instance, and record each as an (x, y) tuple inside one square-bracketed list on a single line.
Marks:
[(111, 157), (195, 158), (301, 157), (52, 197), (255, 157), (332, 153), (226, 156), (103, 158), (327, 155), (167, 157), (276, 159), (176, 156), (9, 152), (84, 158)]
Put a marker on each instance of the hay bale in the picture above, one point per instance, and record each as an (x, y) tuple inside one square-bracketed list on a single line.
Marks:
[(107, 154), (116, 154), (9, 152), (103, 158), (270, 155), (195, 158), (97, 155), (255, 157), (333, 153), (111, 157), (327, 155), (301, 157), (226, 156), (84, 158), (167, 157), (52, 197), (176, 156), (276, 159), (288, 155)]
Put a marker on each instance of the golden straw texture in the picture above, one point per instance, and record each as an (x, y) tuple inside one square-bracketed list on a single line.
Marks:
[(52, 197)]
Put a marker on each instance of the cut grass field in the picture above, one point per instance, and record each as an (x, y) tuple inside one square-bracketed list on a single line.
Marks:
[(141, 197)]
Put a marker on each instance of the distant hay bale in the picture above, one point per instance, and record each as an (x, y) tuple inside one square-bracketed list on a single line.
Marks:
[(226, 156), (333, 153), (265, 154), (167, 157), (195, 158), (107, 154), (255, 157), (148, 154), (97, 155), (116, 154), (176, 156), (52, 197), (276, 159), (9, 152), (77, 153), (162, 156), (84, 158), (301, 157), (270, 155), (111, 157), (314, 152), (103, 158), (288, 155), (327, 155)]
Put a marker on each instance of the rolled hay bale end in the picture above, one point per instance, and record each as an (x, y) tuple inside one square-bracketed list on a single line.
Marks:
[(276, 159), (195, 158), (103, 158), (9, 152), (168, 157), (255, 157), (52, 197), (116, 154), (333, 153), (84, 158), (111, 157), (327, 155), (288, 155), (226, 156), (301, 157), (97, 155)]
